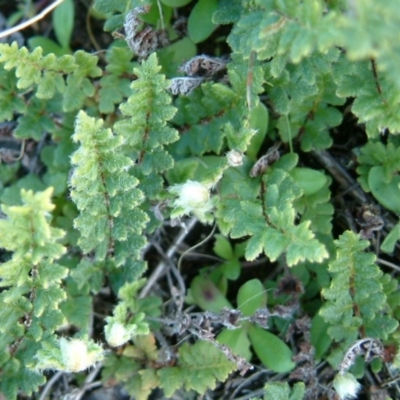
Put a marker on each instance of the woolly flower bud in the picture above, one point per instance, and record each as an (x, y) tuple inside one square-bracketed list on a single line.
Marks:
[(235, 158), (77, 356), (346, 386), (193, 197), (116, 334)]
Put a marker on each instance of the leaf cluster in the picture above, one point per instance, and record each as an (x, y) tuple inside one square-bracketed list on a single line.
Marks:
[(296, 73)]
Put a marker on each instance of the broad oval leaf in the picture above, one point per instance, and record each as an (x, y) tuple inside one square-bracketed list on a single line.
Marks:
[(388, 194), (258, 121), (309, 180), (319, 336), (63, 22), (237, 340), (222, 247), (271, 350), (176, 3), (251, 296), (207, 296), (200, 25), (49, 46), (391, 239)]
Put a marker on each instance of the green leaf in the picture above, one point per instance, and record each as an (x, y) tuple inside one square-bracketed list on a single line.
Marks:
[(319, 336), (259, 121), (200, 25), (251, 296), (237, 340), (77, 311), (63, 22), (387, 193), (105, 194), (144, 126), (174, 55), (207, 296), (231, 269), (176, 3), (309, 180), (49, 46), (222, 247), (200, 366), (12, 194), (112, 91), (228, 11), (15, 380), (271, 350), (391, 239), (110, 6)]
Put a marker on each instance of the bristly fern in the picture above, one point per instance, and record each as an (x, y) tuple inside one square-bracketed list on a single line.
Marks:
[(31, 282), (145, 130), (356, 304), (110, 221)]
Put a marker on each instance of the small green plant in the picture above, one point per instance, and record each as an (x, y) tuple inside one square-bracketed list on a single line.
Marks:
[(269, 124)]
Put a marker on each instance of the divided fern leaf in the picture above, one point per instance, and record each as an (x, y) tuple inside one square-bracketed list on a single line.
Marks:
[(105, 193), (356, 303), (200, 367), (376, 98), (270, 219), (46, 73), (145, 128), (32, 291)]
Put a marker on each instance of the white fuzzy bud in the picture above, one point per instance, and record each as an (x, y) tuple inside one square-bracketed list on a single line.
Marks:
[(346, 386), (235, 158), (193, 197), (77, 356), (116, 334)]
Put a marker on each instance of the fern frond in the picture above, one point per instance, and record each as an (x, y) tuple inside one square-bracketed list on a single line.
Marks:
[(145, 128), (376, 98), (105, 194), (32, 280), (200, 367), (46, 73), (356, 303), (270, 221)]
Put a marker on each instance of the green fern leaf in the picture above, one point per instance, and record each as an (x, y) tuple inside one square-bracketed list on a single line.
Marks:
[(144, 127), (355, 298), (200, 366), (376, 98), (29, 311), (100, 196), (271, 222)]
